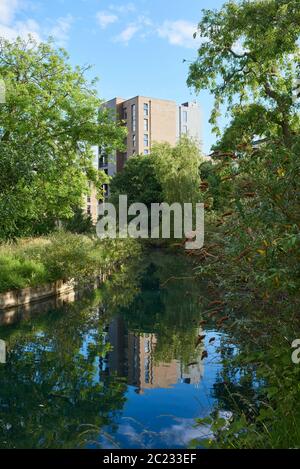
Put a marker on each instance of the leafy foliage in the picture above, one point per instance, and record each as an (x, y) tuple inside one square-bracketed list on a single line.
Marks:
[(138, 181), (80, 223), (48, 125), (169, 174), (177, 169), (249, 62), (61, 256)]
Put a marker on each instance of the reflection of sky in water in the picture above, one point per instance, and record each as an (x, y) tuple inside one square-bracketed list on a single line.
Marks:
[(165, 418), (175, 433), (132, 377)]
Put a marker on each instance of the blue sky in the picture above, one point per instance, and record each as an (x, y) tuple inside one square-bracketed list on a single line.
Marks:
[(136, 47)]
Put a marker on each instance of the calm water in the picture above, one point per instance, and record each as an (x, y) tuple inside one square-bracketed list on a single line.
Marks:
[(117, 368)]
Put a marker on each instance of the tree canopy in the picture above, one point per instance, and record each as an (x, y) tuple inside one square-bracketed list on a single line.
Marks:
[(48, 125), (138, 181), (169, 174), (249, 60), (177, 168)]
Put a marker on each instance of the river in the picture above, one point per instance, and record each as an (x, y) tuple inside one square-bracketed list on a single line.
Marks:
[(117, 368)]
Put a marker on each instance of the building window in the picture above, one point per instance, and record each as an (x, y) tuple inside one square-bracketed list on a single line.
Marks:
[(147, 370), (124, 113), (146, 140), (89, 210), (184, 129), (146, 125), (105, 190), (133, 117), (146, 152), (133, 140), (103, 160), (146, 109), (88, 200), (184, 116)]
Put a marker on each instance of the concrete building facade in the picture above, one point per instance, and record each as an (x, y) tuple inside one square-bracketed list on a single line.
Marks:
[(149, 120), (90, 201), (189, 121), (133, 356)]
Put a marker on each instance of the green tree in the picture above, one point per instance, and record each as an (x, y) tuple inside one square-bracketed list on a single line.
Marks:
[(138, 180), (250, 57), (248, 60), (81, 222), (169, 174), (177, 169), (48, 125)]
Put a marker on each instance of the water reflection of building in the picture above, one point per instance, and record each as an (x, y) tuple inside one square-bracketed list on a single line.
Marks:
[(143, 372), (132, 356), (2, 351)]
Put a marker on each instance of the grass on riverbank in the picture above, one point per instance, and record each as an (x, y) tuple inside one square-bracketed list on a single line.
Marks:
[(61, 256)]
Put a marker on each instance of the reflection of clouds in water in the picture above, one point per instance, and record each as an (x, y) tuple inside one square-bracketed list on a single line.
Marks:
[(178, 434), (184, 431)]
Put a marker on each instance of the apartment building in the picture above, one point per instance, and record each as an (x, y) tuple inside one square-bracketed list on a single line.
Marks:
[(133, 356), (90, 203), (150, 120), (189, 121)]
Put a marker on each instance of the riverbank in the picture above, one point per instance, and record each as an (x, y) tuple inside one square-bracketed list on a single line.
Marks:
[(37, 268)]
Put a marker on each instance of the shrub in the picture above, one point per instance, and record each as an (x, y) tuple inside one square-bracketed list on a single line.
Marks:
[(16, 273), (62, 256), (68, 256)]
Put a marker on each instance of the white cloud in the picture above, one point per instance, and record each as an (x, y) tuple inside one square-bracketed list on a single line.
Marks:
[(238, 47), (105, 19), (142, 25), (8, 9), (179, 432), (11, 28), (178, 33), (127, 34), (60, 31), (127, 8), (22, 29)]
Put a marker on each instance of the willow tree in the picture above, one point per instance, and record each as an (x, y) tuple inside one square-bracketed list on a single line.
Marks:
[(48, 124), (177, 170)]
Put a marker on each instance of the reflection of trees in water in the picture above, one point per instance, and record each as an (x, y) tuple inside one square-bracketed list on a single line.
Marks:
[(54, 386), (236, 387), (170, 312), (51, 384), (54, 393)]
